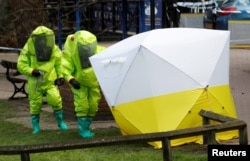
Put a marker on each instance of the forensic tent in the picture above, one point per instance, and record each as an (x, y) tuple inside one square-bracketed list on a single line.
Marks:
[(159, 80)]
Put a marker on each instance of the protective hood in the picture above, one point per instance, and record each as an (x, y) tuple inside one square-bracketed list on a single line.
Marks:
[(76, 65), (86, 45), (43, 40)]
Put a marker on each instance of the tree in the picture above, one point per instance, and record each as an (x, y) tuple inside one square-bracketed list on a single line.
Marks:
[(20, 18)]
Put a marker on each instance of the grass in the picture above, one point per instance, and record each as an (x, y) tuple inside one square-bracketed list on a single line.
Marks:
[(18, 134)]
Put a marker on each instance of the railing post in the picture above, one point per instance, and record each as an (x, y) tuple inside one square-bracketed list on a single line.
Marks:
[(166, 147), (211, 137), (78, 17), (243, 138), (59, 24), (205, 121), (25, 157), (124, 18)]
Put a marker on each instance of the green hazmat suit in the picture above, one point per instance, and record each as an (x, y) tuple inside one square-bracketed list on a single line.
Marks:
[(86, 99), (47, 61)]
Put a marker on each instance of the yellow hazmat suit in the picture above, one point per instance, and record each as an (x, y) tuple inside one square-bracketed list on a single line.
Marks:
[(78, 72), (40, 61)]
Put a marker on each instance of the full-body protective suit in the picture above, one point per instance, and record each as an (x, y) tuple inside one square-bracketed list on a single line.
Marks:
[(78, 72), (40, 61)]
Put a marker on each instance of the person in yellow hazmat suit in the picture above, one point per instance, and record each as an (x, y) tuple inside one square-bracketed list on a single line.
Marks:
[(78, 72), (40, 61)]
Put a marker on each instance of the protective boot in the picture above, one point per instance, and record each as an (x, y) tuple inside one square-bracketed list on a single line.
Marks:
[(59, 118), (83, 126), (89, 121), (35, 123)]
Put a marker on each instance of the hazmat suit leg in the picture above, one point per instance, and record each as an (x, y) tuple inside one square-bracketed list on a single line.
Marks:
[(94, 97), (86, 101), (54, 99), (35, 99), (81, 110), (35, 102), (81, 102)]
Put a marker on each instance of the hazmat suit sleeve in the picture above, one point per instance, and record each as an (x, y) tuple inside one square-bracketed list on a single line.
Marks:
[(67, 65), (58, 62), (24, 61)]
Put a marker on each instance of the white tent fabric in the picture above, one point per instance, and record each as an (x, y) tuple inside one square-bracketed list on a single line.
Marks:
[(139, 66)]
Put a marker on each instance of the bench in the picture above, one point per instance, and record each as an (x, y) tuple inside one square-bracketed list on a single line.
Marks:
[(15, 78)]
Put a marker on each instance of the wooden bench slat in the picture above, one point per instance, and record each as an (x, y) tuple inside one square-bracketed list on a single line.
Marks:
[(215, 116)]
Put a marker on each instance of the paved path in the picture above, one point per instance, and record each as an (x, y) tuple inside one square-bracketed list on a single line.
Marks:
[(239, 81)]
